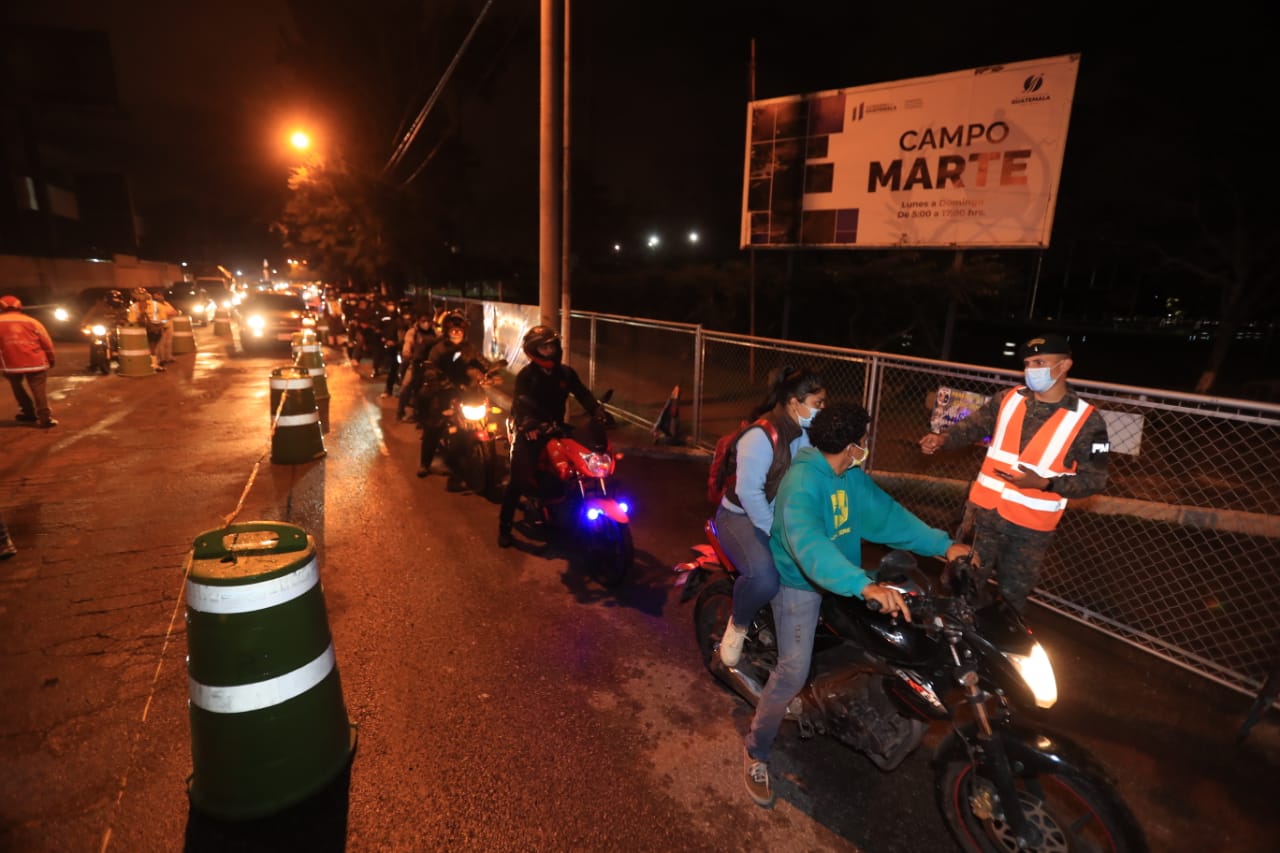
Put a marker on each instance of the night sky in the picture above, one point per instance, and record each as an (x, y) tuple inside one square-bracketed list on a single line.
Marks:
[(659, 97)]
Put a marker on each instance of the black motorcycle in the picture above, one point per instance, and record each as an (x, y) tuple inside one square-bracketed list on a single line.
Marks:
[(102, 347), (475, 444), (966, 659)]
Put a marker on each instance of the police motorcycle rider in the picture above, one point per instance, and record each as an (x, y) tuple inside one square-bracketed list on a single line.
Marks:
[(453, 362), (542, 389)]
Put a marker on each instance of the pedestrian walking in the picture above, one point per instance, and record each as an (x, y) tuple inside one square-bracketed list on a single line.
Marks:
[(1047, 446), (163, 314), (144, 312), (26, 357)]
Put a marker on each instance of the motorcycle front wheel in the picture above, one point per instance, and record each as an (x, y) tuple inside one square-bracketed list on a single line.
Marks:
[(477, 468), (609, 551), (1072, 813)]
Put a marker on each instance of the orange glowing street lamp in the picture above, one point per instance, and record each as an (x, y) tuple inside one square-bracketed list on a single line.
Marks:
[(300, 139)]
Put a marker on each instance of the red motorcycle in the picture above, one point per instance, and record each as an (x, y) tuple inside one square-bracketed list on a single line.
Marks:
[(577, 499)]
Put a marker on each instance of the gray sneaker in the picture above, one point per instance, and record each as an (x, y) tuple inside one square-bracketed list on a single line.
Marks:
[(757, 779)]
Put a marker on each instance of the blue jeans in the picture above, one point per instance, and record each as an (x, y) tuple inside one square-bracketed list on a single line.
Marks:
[(748, 547), (795, 616)]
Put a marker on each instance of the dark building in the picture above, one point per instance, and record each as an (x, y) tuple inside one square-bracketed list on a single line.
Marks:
[(62, 146)]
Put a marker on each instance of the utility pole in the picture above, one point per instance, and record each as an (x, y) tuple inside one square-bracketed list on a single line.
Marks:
[(549, 243), (565, 243), (751, 250)]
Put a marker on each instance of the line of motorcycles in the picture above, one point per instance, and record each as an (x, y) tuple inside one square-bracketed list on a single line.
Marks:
[(967, 661), (576, 503)]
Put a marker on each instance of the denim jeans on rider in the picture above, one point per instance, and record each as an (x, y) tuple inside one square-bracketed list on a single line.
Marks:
[(795, 617), (748, 547)]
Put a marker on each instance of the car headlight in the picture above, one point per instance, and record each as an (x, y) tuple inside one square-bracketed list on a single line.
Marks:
[(257, 323), (1037, 672)]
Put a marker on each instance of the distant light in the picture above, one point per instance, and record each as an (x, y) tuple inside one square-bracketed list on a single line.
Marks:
[(238, 273), (653, 241), (300, 140), (693, 236), (617, 247), (184, 263)]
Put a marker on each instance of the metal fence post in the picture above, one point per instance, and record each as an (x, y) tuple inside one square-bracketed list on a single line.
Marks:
[(699, 354)]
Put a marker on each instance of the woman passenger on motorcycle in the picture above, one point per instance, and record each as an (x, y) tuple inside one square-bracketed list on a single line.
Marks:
[(745, 514), (542, 388), (453, 362), (827, 507)]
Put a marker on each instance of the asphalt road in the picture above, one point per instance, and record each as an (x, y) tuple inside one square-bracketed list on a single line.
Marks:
[(501, 701)]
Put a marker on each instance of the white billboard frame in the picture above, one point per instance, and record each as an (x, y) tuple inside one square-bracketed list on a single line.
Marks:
[(967, 159)]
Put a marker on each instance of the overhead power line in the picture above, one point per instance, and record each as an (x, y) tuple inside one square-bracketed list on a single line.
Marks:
[(411, 134)]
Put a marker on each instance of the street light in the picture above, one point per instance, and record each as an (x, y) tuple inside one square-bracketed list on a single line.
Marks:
[(300, 140)]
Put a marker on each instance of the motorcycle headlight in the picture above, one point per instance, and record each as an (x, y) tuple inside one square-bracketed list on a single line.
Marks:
[(474, 413), (598, 464), (99, 330), (61, 314), (257, 323), (1037, 672)]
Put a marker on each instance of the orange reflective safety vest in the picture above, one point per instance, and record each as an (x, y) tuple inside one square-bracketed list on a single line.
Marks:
[(1045, 454)]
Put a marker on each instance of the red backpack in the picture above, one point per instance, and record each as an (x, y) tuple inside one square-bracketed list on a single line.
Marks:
[(724, 461)]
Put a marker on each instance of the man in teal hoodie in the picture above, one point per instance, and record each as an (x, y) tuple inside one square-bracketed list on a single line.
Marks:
[(826, 506)]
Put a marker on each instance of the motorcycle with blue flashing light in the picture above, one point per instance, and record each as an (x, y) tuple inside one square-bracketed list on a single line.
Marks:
[(966, 661), (578, 501)]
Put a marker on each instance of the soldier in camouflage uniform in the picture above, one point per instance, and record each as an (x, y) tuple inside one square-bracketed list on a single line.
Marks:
[(1047, 446)]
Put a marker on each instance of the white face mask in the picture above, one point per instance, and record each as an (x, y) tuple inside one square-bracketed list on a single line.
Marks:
[(1039, 379), (858, 460), (806, 420)]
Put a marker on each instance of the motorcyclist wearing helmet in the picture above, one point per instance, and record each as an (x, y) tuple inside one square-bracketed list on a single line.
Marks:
[(541, 391), (453, 362)]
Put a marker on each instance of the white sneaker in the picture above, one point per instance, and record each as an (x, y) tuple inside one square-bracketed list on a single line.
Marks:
[(731, 644)]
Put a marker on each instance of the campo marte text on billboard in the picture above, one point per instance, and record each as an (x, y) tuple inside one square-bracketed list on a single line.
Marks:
[(966, 159)]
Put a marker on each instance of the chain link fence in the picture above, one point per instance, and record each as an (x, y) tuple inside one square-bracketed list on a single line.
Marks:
[(1179, 557)]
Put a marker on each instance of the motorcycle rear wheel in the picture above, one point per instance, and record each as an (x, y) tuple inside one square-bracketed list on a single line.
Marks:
[(711, 615), (1073, 813), (609, 552)]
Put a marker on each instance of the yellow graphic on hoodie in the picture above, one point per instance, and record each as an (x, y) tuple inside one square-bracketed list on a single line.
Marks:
[(839, 512)]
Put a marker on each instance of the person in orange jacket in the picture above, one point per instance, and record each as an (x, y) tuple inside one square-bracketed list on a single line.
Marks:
[(26, 357)]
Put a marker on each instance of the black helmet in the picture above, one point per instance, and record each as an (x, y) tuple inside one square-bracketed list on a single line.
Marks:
[(536, 337), (454, 320)]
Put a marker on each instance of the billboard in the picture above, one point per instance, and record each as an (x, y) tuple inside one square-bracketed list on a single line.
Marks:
[(966, 159)]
